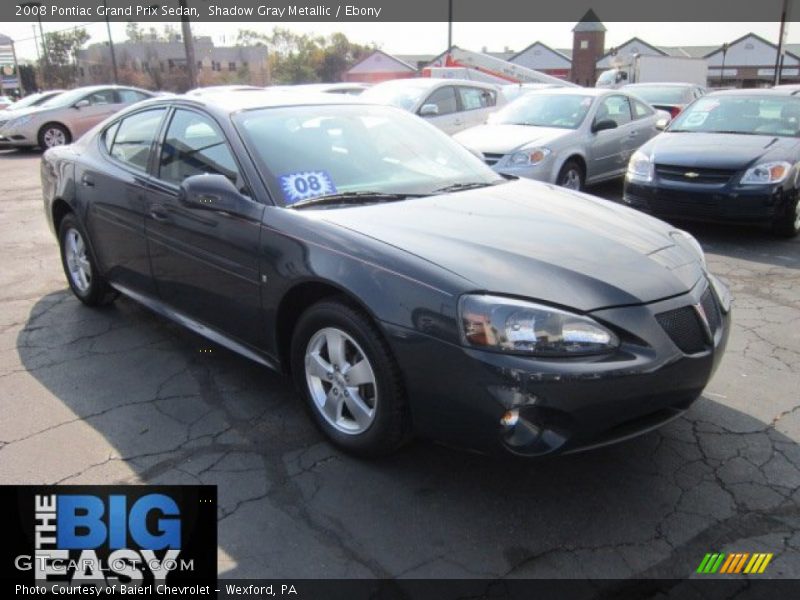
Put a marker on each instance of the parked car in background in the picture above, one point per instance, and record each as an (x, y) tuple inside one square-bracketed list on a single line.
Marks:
[(349, 88), (570, 136), (730, 156), (67, 116), (790, 88), (449, 104), (671, 97), (405, 286)]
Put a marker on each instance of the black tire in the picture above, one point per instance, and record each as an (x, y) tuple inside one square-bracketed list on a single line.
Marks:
[(57, 129), (97, 292), (571, 171), (787, 225), (390, 425)]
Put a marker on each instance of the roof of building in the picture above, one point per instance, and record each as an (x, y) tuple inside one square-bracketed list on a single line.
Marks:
[(589, 22)]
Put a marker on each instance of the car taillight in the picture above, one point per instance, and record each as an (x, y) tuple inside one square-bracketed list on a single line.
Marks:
[(674, 111)]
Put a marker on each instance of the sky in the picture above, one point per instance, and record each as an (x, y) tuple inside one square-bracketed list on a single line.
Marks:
[(431, 38)]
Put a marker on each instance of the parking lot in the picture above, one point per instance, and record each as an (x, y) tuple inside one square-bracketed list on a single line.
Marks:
[(119, 395)]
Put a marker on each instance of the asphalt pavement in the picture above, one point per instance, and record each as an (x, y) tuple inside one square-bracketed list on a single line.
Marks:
[(119, 395)]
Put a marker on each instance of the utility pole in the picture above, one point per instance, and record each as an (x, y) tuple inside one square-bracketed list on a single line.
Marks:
[(111, 46), (188, 44), (781, 35), (449, 24)]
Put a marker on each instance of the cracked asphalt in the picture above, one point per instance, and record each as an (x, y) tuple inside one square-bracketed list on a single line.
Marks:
[(119, 395)]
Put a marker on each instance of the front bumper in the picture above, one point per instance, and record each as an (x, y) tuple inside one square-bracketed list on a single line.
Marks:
[(24, 135), (562, 405), (731, 203)]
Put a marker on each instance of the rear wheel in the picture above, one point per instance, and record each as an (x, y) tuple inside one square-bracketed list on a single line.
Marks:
[(79, 266), (349, 379), (52, 135), (571, 176), (788, 224)]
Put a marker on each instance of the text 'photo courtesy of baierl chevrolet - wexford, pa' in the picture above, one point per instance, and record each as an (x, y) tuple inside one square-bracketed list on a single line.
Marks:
[(421, 300)]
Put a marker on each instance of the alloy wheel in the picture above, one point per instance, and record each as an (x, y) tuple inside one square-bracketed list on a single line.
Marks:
[(54, 137), (341, 381), (80, 269), (571, 180)]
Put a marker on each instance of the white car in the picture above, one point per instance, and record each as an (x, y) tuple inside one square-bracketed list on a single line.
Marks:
[(449, 104)]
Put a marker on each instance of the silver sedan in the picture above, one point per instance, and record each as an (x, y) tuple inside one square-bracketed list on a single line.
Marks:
[(571, 137)]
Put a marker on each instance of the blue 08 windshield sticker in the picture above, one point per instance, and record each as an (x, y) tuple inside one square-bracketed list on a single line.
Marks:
[(306, 184)]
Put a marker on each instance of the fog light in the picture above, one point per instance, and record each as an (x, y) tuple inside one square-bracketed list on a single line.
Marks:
[(510, 418)]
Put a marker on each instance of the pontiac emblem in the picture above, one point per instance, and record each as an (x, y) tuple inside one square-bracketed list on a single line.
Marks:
[(691, 174)]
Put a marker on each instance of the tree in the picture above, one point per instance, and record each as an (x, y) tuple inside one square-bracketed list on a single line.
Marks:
[(60, 69), (133, 32)]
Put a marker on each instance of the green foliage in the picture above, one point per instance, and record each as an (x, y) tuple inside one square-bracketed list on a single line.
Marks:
[(302, 58), (59, 69)]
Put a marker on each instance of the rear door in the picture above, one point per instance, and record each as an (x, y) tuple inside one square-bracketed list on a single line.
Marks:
[(205, 260), (447, 118), (476, 104)]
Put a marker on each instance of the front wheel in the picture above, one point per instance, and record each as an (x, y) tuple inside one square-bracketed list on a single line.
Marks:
[(79, 266), (788, 224), (349, 379), (571, 176)]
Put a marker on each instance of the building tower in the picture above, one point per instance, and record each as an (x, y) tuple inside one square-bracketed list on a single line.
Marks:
[(588, 45)]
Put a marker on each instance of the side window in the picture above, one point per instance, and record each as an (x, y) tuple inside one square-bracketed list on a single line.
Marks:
[(134, 136), (472, 98), (130, 96), (445, 99), (108, 136), (193, 146), (101, 97), (615, 108), (640, 109)]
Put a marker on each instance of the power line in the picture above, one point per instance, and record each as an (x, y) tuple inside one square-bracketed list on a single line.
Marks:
[(32, 38)]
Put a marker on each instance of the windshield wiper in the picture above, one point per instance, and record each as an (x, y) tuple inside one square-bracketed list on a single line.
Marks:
[(457, 187), (362, 197)]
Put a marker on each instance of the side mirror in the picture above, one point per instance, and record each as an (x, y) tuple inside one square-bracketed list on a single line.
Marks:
[(429, 110), (212, 192), (603, 125), (81, 103), (662, 123)]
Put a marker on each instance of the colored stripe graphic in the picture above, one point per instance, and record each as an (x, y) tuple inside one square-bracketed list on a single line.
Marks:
[(765, 563), (728, 563), (703, 563), (740, 564)]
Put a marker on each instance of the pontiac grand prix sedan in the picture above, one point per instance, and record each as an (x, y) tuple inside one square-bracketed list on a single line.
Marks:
[(405, 286)]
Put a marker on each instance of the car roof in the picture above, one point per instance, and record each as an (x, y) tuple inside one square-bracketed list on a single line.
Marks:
[(429, 82), (227, 102), (750, 92), (571, 91)]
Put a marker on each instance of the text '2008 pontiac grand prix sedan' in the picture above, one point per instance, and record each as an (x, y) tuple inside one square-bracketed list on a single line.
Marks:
[(405, 286)]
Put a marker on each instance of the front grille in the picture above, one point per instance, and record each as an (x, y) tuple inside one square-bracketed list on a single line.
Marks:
[(695, 174), (491, 158), (685, 327), (679, 202)]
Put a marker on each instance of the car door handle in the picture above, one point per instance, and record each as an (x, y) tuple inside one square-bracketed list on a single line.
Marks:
[(87, 181), (159, 213)]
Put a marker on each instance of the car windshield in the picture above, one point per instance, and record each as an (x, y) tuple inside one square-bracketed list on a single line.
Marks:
[(402, 94), (566, 111), (739, 114), (660, 94), (314, 151), (607, 78)]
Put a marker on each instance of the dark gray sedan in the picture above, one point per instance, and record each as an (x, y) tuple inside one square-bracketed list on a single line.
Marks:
[(406, 287)]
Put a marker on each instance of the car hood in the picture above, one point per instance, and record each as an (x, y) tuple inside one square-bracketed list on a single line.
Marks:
[(534, 240), (502, 139), (718, 150)]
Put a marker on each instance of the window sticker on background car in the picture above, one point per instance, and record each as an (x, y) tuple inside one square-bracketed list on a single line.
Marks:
[(696, 119), (306, 184)]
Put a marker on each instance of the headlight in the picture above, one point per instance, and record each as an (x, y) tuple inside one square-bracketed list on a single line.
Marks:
[(516, 326), (19, 121), (688, 241), (530, 156), (640, 167), (770, 172)]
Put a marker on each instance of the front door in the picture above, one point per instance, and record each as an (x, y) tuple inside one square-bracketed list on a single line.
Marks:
[(204, 260), (608, 148)]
